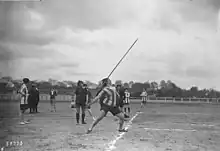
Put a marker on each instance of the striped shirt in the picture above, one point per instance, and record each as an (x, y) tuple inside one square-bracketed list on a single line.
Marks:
[(127, 97), (109, 96), (144, 96), (24, 94), (80, 94)]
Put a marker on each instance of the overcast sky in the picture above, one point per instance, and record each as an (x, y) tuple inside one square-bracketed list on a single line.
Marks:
[(84, 39)]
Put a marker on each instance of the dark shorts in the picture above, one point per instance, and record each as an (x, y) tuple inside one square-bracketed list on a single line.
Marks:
[(144, 102), (113, 110), (24, 107), (78, 105), (126, 104), (89, 107), (52, 100)]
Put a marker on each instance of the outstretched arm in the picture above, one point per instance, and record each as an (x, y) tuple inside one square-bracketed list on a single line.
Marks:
[(96, 99)]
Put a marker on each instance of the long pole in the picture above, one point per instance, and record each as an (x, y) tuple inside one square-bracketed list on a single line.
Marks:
[(123, 57)]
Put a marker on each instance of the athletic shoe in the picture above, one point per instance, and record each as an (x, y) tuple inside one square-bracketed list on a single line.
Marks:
[(22, 123), (123, 130), (88, 131), (26, 122), (84, 123), (126, 116)]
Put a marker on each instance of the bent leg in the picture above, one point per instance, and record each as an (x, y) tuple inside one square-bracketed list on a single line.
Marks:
[(116, 111), (95, 122), (90, 113), (83, 114), (121, 120), (77, 113)]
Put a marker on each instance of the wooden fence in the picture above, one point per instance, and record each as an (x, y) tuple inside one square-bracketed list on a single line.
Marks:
[(64, 98), (67, 98)]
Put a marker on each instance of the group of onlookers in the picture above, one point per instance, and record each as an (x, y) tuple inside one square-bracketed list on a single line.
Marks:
[(29, 98), (114, 99)]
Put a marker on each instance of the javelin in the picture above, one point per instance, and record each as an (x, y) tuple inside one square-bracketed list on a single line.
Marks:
[(122, 58)]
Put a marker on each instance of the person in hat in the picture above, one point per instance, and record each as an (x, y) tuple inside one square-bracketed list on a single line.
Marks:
[(80, 101), (144, 98), (53, 94), (121, 93), (109, 99), (24, 100)]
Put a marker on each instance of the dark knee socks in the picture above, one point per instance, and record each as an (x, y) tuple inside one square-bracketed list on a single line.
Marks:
[(83, 118), (129, 110), (77, 117)]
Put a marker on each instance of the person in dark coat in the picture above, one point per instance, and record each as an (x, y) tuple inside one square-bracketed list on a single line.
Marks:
[(35, 97), (80, 101), (32, 100)]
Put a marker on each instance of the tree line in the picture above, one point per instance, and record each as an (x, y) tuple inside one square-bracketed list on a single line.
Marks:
[(161, 89), (168, 89)]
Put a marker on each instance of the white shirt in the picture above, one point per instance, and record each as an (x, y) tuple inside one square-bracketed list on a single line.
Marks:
[(24, 94)]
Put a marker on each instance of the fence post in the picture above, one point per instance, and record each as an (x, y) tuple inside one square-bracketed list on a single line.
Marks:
[(208, 100)]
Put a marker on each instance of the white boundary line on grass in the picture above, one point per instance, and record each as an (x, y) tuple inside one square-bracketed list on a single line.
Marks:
[(180, 130), (190, 113), (111, 145), (167, 113), (181, 123), (200, 124)]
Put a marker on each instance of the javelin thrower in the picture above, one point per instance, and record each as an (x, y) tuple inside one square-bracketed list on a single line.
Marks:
[(109, 100)]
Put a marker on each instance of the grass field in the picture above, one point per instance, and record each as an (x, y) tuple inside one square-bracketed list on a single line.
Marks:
[(158, 127)]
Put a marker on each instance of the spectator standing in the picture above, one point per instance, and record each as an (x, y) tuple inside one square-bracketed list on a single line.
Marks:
[(53, 94), (80, 102), (23, 100)]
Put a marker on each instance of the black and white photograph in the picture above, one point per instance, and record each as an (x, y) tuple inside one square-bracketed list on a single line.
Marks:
[(109, 75)]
